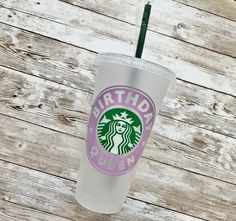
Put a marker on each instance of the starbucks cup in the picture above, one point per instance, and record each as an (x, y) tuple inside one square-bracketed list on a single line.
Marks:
[(128, 95)]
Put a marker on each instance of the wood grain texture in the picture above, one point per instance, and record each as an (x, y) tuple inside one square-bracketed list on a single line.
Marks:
[(95, 32), (40, 148), (55, 195), (204, 153), (193, 26), (47, 51), (65, 109), (224, 8), (14, 212), (155, 183), (74, 67)]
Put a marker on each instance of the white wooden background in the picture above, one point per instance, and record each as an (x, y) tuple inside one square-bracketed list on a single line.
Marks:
[(47, 50)]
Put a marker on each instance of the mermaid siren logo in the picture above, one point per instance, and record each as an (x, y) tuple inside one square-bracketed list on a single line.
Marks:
[(119, 131), (120, 123)]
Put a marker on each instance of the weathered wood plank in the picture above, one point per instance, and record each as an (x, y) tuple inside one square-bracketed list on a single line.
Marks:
[(22, 213), (155, 183), (65, 109), (39, 148), (199, 151), (96, 32), (55, 61), (194, 26), (55, 195), (213, 153), (224, 8), (72, 66), (13, 212), (44, 102), (23, 143)]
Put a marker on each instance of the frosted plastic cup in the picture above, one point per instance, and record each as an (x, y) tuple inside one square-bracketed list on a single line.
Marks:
[(128, 95)]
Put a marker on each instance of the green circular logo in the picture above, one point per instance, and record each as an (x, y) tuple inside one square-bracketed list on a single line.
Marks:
[(119, 130)]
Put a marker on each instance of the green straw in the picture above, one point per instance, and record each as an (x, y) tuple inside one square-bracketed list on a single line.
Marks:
[(143, 30)]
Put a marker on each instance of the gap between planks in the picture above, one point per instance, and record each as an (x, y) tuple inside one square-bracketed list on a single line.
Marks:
[(117, 19), (151, 30), (169, 209), (94, 52), (121, 214), (73, 181), (45, 36), (90, 70), (185, 122), (184, 2), (156, 174), (86, 91), (73, 44), (31, 210), (132, 198), (49, 128), (82, 138), (179, 142)]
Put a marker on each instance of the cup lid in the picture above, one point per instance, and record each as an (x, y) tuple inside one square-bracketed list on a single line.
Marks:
[(136, 63)]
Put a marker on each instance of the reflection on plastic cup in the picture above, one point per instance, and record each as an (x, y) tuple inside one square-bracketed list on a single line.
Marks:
[(128, 95)]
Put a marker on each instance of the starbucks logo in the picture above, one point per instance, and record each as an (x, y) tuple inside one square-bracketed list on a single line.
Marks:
[(120, 123), (119, 130)]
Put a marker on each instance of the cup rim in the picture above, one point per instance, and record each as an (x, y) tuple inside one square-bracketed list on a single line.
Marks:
[(136, 63)]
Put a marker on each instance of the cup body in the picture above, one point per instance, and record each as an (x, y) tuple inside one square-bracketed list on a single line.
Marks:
[(128, 95)]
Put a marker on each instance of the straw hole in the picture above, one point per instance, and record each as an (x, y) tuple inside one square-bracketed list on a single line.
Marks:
[(9, 16), (38, 3)]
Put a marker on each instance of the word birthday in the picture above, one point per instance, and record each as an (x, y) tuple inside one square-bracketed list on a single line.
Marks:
[(127, 98)]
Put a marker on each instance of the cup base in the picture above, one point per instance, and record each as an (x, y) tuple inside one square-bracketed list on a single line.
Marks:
[(91, 203)]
